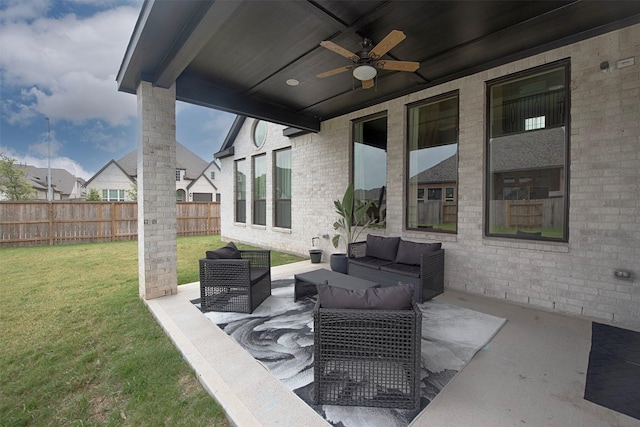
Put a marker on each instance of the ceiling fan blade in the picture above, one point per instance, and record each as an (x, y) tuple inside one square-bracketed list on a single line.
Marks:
[(388, 43), (335, 71), (339, 50), (367, 84), (398, 65)]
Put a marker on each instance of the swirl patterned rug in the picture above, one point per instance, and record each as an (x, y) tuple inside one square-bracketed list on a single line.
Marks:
[(279, 334)]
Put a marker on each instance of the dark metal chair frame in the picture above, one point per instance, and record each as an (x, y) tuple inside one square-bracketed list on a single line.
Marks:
[(367, 357), (238, 285), (428, 285)]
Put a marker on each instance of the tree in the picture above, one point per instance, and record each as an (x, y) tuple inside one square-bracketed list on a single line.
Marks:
[(93, 195), (13, 184), (133, 192)]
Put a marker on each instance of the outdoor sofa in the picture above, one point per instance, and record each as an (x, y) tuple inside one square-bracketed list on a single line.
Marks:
[(234, 280), (392, 260)]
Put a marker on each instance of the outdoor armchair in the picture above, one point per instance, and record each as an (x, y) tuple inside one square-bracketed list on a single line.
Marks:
[(235, 284), (367, 357)]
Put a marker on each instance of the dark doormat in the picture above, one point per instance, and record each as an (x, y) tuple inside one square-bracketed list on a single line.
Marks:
[(613, 376)]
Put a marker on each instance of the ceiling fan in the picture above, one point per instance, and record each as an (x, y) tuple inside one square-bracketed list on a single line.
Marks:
[(366, 62)]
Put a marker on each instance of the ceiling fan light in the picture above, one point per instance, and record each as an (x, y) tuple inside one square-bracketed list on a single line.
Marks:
[(364, 72)]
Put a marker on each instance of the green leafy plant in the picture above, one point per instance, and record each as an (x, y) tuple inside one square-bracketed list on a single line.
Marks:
[(13, 182), (354, 218), (132, 193), (93, 195)]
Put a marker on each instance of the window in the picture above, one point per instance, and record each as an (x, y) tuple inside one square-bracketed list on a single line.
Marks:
[(213, 175), (370, 164), (433, 165), (181, 196), (260, 189), (259, 133), (241, 190), (282, 188), (527, 154), (113, 195), (178, 174), (434, 194)]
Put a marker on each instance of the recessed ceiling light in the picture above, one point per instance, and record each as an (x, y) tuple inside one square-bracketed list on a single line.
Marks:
[(292, 82)]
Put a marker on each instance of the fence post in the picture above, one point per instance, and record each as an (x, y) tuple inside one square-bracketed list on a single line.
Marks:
[(50, 215), (209, 206), (99, 218), (114, 222)]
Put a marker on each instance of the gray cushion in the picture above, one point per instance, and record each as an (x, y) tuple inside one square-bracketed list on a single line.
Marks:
[(382, 247), (397, 297), (411, 252), (258, 274), (227, 252), (402, 269), (371, 262)]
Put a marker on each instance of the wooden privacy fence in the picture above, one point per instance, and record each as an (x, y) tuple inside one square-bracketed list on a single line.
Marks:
[(437, 212), (540, 213), (63, 222)]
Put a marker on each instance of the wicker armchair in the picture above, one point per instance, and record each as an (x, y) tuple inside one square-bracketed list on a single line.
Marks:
[(235, 284), (367, 357)]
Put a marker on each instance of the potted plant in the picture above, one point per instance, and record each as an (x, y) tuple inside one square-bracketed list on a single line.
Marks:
[(354, 219)]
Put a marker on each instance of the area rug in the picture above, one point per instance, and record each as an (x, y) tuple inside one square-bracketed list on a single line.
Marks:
[(279, 334), (613, 374)]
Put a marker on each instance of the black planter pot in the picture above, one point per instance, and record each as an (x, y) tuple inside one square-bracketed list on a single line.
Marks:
[(338, 263), (315, 255)]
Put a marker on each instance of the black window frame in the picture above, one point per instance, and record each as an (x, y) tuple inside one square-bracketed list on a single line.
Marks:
[(281, 206), (258, 205), (240, 213), (381, 210), (431, 100), (523, 235)]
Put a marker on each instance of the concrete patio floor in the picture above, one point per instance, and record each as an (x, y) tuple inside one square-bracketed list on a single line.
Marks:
[(532, 373)]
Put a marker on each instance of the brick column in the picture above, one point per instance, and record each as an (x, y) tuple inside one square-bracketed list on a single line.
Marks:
[(157, 259)]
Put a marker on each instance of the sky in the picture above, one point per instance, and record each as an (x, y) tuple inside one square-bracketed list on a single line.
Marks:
[(59, 60)]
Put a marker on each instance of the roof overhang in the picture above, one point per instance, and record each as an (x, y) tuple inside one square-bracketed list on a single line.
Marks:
[(236, 56)]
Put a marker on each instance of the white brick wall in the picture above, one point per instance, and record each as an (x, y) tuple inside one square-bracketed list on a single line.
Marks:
[(157, 257), (604, 226)]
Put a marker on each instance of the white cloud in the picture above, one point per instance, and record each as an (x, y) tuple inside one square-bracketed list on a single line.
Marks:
[(16, 10), (66, 66), (108, 139), (41, 149)]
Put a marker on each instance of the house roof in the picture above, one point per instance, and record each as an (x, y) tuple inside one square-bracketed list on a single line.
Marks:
[(62, 181), (236, 56), (186, 159), (116, 164), (205, 177), (539, 149), (445, 171)]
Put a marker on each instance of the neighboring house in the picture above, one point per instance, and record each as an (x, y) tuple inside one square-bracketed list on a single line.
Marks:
[(64, 185), (195, 178), (199, 189), (433, 191), (113, 182), (538, 101)]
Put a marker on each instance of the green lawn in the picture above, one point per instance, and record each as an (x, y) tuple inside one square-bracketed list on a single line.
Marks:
[(79, 347)]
